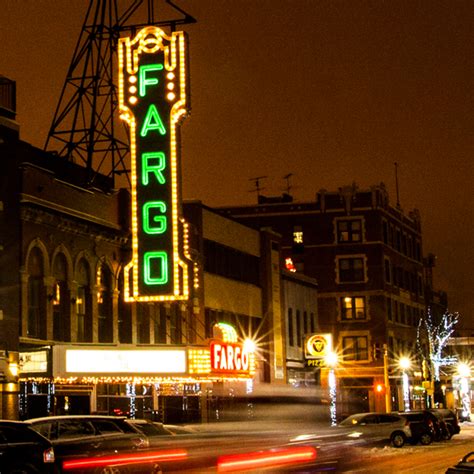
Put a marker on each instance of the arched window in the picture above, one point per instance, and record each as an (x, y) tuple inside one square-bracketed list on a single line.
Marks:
[(84, 303), (104, 304), (36, 325), (61, 301)]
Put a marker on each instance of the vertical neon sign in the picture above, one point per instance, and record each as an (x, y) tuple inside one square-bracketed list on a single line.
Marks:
[(153, 100)]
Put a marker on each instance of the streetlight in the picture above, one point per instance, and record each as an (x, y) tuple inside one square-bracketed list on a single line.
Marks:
[(404, 363), (331, 360), (464, 372)]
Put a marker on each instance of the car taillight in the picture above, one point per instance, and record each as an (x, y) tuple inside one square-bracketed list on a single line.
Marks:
[(48, 455)]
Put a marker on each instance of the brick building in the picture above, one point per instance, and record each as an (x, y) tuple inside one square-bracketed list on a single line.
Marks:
[(366, 256)]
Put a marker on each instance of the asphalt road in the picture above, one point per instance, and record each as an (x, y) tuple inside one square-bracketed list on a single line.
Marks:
[(432, 459)]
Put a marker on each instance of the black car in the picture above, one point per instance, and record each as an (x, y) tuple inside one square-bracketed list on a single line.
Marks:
[(450, 418), (421, 425), (88, 435), (23, 450), (464, 466)]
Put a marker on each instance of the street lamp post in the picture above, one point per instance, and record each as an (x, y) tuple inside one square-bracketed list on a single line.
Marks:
[(405, 364), (464, 372), (331, 362)]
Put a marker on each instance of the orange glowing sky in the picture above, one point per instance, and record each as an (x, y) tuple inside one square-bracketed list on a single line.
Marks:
[(333, 91)]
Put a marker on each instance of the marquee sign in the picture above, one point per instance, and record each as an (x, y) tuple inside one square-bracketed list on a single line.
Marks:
[(229, 358), (153, 100)]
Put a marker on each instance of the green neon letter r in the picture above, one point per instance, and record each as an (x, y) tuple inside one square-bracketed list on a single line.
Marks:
[(155, 168)]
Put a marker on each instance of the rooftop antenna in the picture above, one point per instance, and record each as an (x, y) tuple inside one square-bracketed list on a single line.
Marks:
[(396, 185), (256, 181), (288, 185), (84, 128)]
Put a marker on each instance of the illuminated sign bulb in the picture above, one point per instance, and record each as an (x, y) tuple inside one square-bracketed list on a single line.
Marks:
[(171, 96), (132, 89), (132, 79), (170, 86), (133, 99), (170, 76)]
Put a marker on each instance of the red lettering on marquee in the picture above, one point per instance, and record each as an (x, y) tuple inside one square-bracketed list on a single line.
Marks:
[(229, 358)]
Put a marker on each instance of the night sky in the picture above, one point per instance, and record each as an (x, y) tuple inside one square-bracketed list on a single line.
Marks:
[(332, 91)]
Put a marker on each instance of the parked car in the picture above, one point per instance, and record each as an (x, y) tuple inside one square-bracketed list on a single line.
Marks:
[(465, 465), (442, 431), (421, 426), (463, 415), (378, 427), (153, 431), (23, 450), (450, 418), (88, 434)]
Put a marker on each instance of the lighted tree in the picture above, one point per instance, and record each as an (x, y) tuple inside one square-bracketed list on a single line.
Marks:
[(432, 338)]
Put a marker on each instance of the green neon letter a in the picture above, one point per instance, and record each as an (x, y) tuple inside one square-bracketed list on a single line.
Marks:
[(143, 81), (152, 122), (161, 221), (162, 258), (156, 167)]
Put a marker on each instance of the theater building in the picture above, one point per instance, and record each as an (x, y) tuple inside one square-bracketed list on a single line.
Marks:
[(72, 344)]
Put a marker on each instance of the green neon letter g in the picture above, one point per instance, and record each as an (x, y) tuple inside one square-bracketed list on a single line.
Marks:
[(148, 221), (162, 263), (155, 168), (144, 81)]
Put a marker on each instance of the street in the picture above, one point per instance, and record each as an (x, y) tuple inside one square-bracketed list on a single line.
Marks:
[(433, 459)]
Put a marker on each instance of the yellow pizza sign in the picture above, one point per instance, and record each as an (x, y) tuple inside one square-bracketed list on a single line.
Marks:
[(318, 346)]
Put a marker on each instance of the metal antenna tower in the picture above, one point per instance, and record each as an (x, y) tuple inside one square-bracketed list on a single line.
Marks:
[(84, 128), (256, 182)]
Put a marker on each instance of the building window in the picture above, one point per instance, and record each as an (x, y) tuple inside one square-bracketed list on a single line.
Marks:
[(398, 242), (104, 304), (306, 326), (298, 328), (353, 308), (175, 324), (160, 325), (355, 348), (36, 323), (298, 235), (143, 323), (385, 232), (351, 269), (388, 275), (389, 309), (61, 301), (313, 322), (349, 231), (291, 340), (83, 303)]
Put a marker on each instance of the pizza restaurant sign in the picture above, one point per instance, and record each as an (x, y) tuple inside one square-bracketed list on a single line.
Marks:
[(317, 347)]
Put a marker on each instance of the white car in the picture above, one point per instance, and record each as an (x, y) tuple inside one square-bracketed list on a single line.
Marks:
[(378, 427)]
